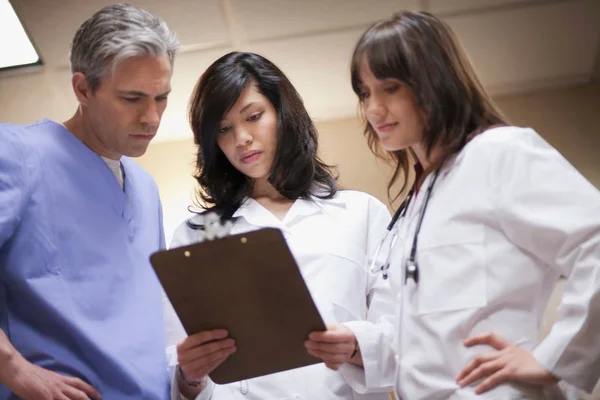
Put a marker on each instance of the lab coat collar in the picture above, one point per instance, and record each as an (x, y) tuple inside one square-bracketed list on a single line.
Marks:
[(257, 215)]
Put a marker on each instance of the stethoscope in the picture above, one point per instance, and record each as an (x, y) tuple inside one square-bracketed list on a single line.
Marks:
[(411, 267)]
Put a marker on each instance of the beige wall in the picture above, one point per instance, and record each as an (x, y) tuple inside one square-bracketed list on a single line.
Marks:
[(172, 165), (569, 119)]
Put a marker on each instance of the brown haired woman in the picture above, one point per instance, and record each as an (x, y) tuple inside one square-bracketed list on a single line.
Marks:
[(495, 216)]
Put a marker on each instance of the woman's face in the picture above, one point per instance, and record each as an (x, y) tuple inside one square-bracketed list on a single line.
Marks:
[(248, 134), (392, 110)]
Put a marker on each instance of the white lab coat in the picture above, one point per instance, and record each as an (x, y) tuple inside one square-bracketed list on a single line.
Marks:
[(507, 217), (331, 240)]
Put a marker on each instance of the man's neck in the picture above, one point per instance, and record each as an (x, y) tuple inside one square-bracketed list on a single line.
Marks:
[(82, 130)]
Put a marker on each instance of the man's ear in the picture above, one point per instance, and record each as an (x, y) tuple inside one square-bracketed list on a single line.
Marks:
[(81, 88)]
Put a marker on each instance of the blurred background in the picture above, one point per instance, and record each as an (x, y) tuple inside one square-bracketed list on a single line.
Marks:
[(540, 60)]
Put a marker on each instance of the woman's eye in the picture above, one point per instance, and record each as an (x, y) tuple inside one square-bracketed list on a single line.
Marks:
[(254, 117)]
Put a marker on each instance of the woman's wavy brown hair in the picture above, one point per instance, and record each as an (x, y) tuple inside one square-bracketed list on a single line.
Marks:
[(421, 51)]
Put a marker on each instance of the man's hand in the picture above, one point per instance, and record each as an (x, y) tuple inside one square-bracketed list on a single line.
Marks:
[(30, 382)]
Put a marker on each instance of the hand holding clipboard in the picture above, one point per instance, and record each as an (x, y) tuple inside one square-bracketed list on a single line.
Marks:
[(242, 300)]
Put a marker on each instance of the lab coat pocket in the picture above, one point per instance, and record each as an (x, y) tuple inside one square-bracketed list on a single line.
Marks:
[(348, 284), (452, 272)]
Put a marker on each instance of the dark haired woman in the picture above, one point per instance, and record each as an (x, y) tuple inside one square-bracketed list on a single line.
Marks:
[(258, 166), (495, 216)]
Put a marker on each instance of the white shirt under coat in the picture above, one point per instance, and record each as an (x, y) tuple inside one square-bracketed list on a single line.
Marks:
[(507, 217), (331, 240)]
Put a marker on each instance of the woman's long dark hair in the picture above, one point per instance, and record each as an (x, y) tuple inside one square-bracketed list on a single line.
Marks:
[(297, 171), (421, 51)]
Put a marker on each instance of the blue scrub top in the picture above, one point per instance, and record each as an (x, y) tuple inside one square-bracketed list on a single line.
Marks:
[(77, 293)]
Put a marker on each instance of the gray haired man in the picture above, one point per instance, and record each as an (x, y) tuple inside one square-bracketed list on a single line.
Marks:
[(80, 307)]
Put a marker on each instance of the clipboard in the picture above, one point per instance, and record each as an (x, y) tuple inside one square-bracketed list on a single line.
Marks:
[(250, 285)]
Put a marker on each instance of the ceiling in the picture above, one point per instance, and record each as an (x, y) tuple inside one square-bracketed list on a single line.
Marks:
[(516, 46)]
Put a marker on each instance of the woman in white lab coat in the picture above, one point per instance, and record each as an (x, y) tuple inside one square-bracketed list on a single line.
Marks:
[(494, 217), (257, 165)]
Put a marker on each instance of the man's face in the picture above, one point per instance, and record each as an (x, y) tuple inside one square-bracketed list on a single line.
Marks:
[(126, 108)]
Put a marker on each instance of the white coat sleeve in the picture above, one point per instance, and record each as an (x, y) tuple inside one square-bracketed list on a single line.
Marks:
[(551, 211), (375, 334), (174, 331)]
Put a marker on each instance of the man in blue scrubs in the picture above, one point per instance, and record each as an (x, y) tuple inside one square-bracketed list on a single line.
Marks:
[(80, 306)]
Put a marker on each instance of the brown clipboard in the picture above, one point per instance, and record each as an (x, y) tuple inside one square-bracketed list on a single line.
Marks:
[(250, 285)]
